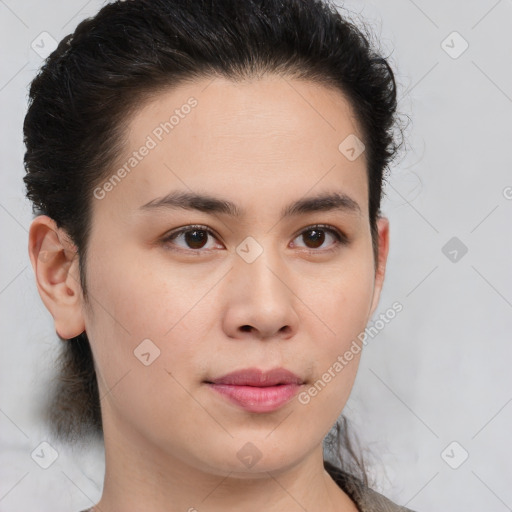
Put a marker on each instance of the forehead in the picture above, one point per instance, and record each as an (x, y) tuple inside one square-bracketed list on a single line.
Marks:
[(270, 106), (260, 135)]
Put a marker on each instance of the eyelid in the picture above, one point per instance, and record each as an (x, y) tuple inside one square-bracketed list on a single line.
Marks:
[(341, 238), (189, 227), (324, 227)]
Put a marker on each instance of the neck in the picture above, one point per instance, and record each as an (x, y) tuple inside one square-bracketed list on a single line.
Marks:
[(139, 476)]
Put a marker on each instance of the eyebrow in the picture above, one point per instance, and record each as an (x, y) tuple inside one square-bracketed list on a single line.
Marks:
[(210, 204)]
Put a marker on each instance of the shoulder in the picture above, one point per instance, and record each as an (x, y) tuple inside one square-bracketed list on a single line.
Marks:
[(366, 499)]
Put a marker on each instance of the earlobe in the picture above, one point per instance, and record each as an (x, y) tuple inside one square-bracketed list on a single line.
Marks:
[(383, 230), (55, 263)]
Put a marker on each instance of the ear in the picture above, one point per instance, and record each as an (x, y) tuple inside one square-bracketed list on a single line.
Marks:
[(54, 259), (383, 238)]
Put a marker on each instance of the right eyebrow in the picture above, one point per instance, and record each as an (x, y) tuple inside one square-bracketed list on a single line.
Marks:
[(211, 204)]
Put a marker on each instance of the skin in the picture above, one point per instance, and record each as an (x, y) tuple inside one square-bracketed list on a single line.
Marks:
[(171, 443)]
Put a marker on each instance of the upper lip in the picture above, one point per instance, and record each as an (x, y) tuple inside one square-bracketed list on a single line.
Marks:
[(258, 378)]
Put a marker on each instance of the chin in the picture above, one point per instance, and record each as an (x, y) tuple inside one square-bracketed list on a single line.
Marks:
[(248, 460)]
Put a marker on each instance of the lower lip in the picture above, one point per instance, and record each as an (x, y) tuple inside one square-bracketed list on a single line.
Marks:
[(258, 399)]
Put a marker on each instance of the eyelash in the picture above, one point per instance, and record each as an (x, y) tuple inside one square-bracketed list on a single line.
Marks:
[(341, 238)]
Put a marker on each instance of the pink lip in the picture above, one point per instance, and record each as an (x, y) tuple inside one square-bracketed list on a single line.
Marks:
[(258, 391)]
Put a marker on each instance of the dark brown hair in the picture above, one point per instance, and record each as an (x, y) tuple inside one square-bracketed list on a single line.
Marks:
[(98, 76)]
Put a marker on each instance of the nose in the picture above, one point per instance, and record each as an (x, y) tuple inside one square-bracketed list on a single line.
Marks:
[(260, 302)]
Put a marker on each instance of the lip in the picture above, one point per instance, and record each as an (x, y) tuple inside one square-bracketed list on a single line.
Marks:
[(256, 390)]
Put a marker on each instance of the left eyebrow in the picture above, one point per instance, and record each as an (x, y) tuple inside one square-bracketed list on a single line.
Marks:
[(210, 204)]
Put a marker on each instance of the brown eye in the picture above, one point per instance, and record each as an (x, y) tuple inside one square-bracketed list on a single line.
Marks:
[(192, 238), (314, 237), (196, 239)]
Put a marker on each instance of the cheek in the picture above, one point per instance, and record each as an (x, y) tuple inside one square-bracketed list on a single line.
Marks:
[(340, 306), (174, 306), (142, 314), (343, 307), (339, 298), (180, 310), (142, 332), (138, 299)]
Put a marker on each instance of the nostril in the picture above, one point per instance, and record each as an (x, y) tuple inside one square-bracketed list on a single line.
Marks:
[(246, 328)]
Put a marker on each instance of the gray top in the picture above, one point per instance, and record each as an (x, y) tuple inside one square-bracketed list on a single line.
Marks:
[(366, 499)]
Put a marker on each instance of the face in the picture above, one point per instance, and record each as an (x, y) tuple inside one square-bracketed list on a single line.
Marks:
[(182, 295)]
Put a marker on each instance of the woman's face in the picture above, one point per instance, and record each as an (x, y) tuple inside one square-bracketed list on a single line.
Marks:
[(260, 290)]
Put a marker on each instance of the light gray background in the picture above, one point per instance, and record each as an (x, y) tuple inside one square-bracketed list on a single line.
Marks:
[(439, 372)]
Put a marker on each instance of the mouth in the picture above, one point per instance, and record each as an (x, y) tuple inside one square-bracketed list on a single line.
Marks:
[(258, 391)]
